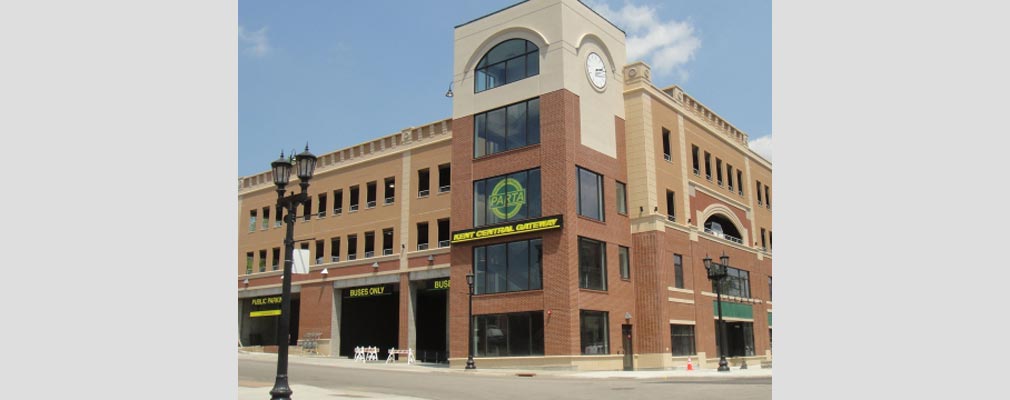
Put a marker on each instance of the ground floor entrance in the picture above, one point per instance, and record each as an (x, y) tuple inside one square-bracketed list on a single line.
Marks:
[(369, 316), (259, 317), (739, 338), (431, 321)]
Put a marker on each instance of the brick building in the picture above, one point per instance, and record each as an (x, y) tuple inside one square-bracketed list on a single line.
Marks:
[(582, 198)]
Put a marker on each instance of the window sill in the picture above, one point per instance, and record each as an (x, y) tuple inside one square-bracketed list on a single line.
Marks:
[(505, 152), (603, 291), (591, 219)]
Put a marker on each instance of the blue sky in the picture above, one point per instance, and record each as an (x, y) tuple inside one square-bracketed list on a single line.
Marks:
[(336, 73)]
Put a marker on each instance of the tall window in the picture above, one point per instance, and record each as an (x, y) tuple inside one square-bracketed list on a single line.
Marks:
[(666, 145), (508, 267), (389, 190), (682, 340), (355, 198), (266, 217), (769, 288), (622, 198), (678, 271), (369, 244), (275, 259), (387, 241), (422, 236), (590, 194), (370, 194), (759, 192), (423, 182), (320, 254), (443, 233), (307, 209), (444, 178), (763, 245), (718, 171), (249, 262), (338, 201), (263, 260), (739, 182), (513, 334), (352, 247), (622, 255), (335, 249), (708, 166), (252, 220), (736, 283), (694, 159), (592, 264), (768, 198), (278, 216), (593, 329), (671, 209), (511, 197), (770, 245), (507, 62), (322, 205), (729, 177), (506, 128)]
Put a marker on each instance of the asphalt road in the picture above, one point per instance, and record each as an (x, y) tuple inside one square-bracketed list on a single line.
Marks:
[(453, 385)]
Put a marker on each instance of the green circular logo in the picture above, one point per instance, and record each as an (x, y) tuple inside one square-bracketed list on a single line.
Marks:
[(507, 197)]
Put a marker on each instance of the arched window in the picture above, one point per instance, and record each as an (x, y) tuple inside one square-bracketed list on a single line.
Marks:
[(509, 61), (719, 226)]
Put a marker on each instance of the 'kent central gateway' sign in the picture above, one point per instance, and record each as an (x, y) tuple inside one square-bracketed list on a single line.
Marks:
[(513, 228)]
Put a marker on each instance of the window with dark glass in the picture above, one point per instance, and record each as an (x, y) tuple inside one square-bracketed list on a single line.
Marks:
[(307, 209), (249, 262), (736, 283), (278, 216), (444, 178), (389, 190), (729, 177), (422, 236), (335, 249), (718, 171), (682, 340), (275, 259), (320, 254), (322, 205), (666, 145), (678, 271), (694, 159), (760, 200), (338, 201), (506, 128), (369, 244), (355, 198), (770, 245), (387, 241), (511, 197), (370, 194), (592, 264), (739, 181), (423, 182), (708, 166), (769, 288), (443, 233), (266, 217), (505, 335), (590, 194), (594, 332), (624, 258), (252, 220), (768, 197), (622, 198), (763, 246), (263, 260), (507, 62), (352, 247), (671, 209), (508, 267)]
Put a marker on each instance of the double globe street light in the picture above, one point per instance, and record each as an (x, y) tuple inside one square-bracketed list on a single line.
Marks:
[(306, 166)]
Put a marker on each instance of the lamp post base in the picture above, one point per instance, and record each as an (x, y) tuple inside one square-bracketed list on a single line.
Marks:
[(281, 390), (723, 365), (470, 364)]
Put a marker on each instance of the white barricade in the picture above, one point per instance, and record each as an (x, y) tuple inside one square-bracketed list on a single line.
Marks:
[(408, 352)]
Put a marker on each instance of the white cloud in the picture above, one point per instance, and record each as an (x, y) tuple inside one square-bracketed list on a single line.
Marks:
[(667, 46), (256, 41), (762, 146)]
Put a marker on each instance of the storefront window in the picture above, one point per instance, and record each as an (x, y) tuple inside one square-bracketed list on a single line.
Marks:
[(593, 328), (736, 283), (592, 264), (508, 267), (505, 335), (682, 339)]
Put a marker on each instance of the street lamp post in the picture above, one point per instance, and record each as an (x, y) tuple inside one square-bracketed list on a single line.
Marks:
[(469, 341), (716, 273), (306, 165)]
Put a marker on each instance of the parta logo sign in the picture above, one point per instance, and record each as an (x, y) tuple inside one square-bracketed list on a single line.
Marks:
[(507, 197)]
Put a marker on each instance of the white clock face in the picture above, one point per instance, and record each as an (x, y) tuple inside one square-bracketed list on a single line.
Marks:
[(596, 70)]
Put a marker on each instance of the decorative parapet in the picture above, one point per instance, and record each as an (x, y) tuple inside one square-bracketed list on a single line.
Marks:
[(373, 148), (637, 72), (699, 110)]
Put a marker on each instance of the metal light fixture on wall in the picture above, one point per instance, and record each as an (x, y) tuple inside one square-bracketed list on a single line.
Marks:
[(375, 265)]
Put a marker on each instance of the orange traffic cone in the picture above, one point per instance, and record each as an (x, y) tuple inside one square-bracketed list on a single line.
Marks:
[(689, 366)]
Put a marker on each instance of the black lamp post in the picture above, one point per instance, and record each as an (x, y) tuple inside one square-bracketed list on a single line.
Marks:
[(716, 273), (306, 165), (469, 341)]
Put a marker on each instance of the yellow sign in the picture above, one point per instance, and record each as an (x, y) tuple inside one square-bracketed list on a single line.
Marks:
[(507, 197), (265, 313), (262, 301), (510, 229), (369, 291)]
